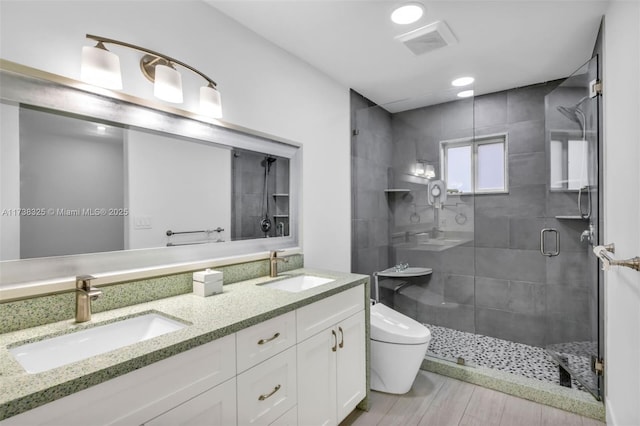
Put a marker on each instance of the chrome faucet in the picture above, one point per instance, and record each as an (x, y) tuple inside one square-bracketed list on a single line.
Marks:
[(84, 295), (273, 261)]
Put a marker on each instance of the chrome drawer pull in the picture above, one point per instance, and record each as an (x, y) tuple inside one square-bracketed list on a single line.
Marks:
[(335, 341), (263, 397), (263, 341), (341, 338)]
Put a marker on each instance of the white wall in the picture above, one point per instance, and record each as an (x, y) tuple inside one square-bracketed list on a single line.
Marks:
[(622, 210), (263, 88), (176, 185)]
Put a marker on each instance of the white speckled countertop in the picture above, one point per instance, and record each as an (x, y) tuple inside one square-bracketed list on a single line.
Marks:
[(241, 305)]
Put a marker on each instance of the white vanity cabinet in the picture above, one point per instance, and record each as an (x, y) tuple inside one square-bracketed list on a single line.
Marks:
[(331, 358), (304, 367), (143, 394)]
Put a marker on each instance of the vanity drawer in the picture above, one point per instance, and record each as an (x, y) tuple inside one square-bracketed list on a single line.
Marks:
[(262, 341), (312, 319), (268, 390)]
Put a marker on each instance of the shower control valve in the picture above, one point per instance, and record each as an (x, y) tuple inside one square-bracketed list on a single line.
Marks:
[(587, 234)]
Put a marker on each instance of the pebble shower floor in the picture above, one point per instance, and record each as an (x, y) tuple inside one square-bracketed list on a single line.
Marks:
[(516, 358)]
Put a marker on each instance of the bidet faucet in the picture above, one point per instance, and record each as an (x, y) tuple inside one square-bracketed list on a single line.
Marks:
[(273, 262), (84, 295)]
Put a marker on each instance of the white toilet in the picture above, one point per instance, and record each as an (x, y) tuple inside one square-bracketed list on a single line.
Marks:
[(398, 346)]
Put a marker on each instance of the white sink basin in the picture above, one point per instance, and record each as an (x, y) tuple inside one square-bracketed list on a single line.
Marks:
[(61, 350), (298, 283)]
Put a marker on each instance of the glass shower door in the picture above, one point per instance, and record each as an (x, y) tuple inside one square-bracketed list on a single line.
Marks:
[(573, 336)]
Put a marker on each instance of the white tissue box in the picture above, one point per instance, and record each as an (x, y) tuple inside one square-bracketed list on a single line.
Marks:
[(207, 283)]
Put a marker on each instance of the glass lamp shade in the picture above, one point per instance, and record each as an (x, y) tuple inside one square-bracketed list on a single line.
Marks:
[(210, 102), (168, 84), (100, 68)]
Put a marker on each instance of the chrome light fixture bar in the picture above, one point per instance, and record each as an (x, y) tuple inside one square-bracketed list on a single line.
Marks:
[(101, 67)]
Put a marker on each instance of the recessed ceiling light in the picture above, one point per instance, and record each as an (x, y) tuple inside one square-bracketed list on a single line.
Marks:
[(407, 13), (462, 81), (465, 94)]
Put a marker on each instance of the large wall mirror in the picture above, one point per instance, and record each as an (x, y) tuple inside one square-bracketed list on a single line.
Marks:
[(91, 183)]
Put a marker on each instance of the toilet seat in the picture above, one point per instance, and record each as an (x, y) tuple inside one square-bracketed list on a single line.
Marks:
[(390, 326)]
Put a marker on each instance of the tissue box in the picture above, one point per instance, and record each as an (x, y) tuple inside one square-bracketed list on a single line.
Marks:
[(207, 283)]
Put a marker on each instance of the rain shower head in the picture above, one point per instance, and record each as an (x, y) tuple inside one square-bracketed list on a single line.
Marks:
[(570, 112), (573, 112)]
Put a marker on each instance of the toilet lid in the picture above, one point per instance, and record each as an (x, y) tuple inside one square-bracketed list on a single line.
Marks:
[(390, 326)]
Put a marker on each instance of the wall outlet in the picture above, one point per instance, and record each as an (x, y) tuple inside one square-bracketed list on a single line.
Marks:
[(142, 222)]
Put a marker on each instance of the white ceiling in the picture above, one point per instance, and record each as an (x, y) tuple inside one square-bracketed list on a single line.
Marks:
[(503, 44)]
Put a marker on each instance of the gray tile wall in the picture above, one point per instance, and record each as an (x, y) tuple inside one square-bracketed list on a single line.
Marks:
[(498, 284)]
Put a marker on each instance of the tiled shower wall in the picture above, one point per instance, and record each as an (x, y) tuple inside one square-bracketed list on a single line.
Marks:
[(498, 284)]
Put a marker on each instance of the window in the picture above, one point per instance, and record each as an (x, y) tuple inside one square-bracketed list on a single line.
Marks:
[(476, 166)]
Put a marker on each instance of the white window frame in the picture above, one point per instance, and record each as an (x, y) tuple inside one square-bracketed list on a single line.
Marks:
[(474, 143)]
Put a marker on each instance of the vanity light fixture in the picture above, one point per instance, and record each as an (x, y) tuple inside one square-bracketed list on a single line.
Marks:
[(462, 81), (101, 67), (465, 94), (407, 13)]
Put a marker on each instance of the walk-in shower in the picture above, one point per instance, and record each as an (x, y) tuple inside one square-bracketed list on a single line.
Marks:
[(514, 284)]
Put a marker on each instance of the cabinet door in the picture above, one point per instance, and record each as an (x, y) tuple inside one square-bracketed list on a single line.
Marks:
[(215, 407), (351, 368), (268, 390), (317, 379)]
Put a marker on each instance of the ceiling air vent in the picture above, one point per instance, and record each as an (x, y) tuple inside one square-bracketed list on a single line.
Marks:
[(428, 38)]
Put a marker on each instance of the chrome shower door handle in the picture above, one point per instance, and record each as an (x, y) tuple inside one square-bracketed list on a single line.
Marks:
[(542, 247)]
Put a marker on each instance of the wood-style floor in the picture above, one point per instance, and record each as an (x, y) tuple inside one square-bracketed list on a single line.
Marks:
[(437, 400)]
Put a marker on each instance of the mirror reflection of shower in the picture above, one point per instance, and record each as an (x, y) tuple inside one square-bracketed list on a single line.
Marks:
[(259, 195), (575, 114), (265, 222)]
